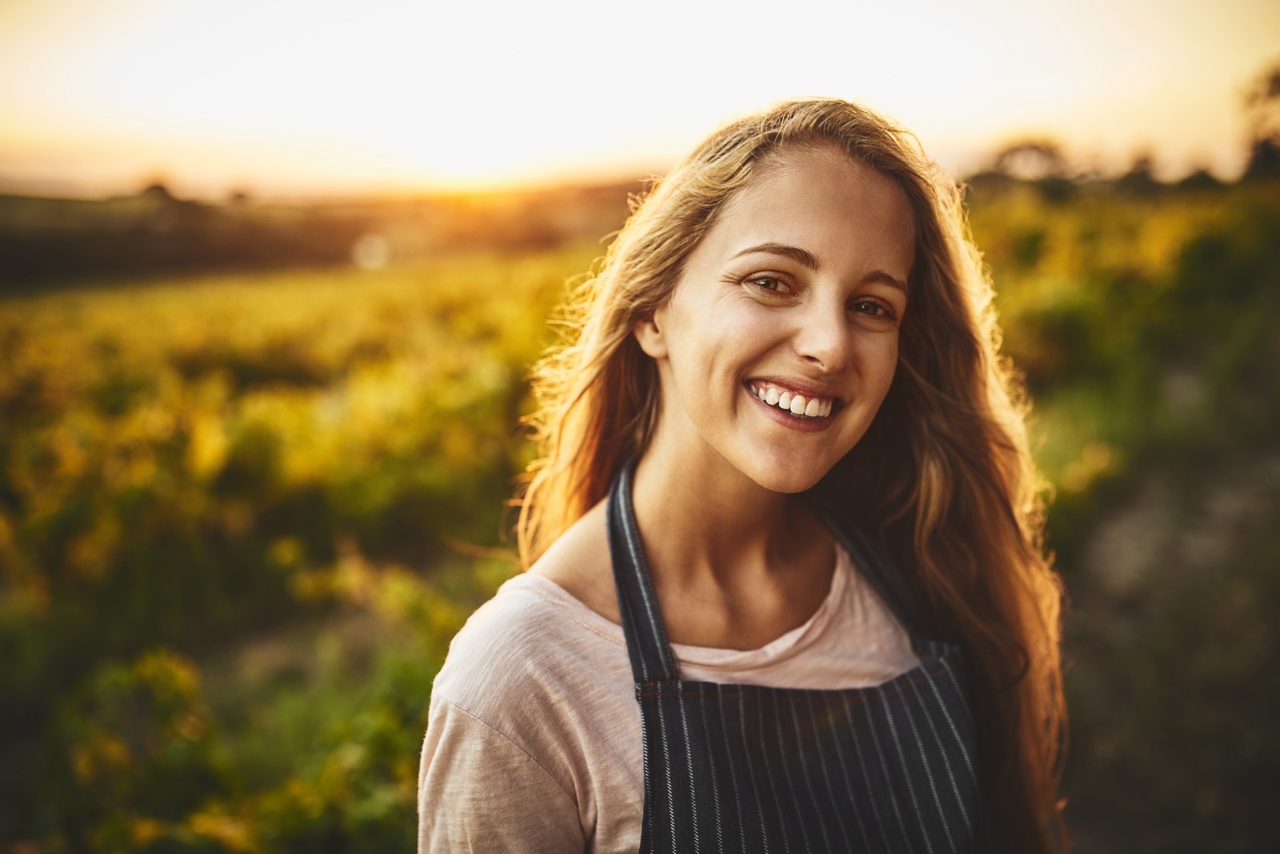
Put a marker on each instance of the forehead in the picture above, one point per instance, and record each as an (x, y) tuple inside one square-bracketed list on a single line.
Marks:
[(820, 172), (818, 198)]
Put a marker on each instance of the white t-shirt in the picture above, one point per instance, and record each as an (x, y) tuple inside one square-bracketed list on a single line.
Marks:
[(533, 741)]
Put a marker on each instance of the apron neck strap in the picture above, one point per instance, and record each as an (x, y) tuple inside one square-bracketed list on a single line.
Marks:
[(646, 634), (651, 657)]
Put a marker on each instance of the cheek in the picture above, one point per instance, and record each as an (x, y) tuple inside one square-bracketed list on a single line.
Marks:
[(722, 336), (878, 357)]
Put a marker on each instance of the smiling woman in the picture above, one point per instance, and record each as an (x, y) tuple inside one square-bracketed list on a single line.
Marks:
[(784, 586)]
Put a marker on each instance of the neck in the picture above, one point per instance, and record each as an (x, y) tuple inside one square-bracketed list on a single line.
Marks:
[(735, 565), (702, 520)]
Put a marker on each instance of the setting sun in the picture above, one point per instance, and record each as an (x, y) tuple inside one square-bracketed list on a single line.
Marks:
[(331, 97)]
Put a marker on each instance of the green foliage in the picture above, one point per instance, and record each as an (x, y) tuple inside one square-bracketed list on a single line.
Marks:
[(305, 767), (1140, 325), (1150, 334), (184, 463), (1176, 685), (141, 750)]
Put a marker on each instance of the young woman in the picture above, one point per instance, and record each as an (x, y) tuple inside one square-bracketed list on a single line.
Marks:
[(785, 587)]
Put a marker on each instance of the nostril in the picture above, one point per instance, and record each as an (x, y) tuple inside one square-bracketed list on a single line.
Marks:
[(823, 342)]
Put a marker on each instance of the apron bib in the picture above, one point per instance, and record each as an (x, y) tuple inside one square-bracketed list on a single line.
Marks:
[(749, 768)]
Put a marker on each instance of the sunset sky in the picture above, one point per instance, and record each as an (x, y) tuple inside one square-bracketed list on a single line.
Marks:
[(279, 97)]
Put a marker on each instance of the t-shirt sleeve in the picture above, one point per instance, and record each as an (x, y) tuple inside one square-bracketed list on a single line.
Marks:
[(480, 791)]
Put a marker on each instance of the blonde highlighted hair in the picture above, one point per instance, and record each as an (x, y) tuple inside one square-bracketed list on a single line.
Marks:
[(943, 477)]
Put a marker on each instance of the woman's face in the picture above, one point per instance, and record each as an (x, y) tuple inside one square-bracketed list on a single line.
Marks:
[(780, 339)]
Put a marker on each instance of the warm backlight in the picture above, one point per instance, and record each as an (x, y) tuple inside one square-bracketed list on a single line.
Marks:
[(291, 95)]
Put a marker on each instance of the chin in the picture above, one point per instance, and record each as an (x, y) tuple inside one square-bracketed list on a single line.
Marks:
[(787, 476)]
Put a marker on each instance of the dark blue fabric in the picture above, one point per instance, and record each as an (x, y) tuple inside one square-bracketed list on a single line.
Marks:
[(748, 768)]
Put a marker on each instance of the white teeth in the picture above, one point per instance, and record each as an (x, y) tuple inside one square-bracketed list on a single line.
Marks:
[(796, 404)]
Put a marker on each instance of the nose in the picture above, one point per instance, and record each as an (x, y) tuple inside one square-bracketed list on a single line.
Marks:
[(824, 335)]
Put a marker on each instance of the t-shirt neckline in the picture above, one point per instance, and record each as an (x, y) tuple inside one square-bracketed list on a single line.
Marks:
[(712, 658)]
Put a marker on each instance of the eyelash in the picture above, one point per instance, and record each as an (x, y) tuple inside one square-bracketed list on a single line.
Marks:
[(887, 312), (779, 286), (756, 280)]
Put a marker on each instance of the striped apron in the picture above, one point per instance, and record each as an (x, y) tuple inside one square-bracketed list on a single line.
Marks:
[(749, 768)]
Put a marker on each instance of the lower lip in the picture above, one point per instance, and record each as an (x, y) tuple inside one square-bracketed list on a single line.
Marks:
[(800, 425)]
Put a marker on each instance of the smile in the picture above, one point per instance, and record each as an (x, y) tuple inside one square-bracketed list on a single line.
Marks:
[(794, 402)]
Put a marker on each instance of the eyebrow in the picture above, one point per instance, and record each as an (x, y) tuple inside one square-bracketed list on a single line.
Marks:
[(806, 258)]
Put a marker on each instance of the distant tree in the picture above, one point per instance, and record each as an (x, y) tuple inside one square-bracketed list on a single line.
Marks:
[(1032, 160), (1140, 179), (157, 190), (1200, 179), (1262, 108)]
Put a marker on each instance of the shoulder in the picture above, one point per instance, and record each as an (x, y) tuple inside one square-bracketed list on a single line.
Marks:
[(484, 773), (523, 652), (538, 687), (474, 785), (579, 563)]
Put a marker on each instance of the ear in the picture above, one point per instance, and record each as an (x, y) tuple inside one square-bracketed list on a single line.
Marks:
[(649, 333)]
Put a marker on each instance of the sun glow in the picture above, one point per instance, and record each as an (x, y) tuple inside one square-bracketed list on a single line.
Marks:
[(412, 94)]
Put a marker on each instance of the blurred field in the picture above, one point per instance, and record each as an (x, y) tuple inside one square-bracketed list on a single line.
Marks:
[(241, 516)]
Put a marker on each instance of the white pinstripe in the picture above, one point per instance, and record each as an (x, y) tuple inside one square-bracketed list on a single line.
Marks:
[(773, 790), (742, 723), (862, 765), (822, 825), (826, 777), (848, 785), (902, 759), (666, 756), (951, 723), (928, 771), (733, 774), (650, 607), (648, 784), (786, 770), (946, 762), (893, 796), (960, 692), (688, 752)]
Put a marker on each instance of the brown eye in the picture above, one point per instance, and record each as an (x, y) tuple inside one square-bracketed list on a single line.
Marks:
[(768, 283), (872, 308)]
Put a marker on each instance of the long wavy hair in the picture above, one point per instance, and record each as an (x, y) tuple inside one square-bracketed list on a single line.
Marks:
[(943, 477)]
